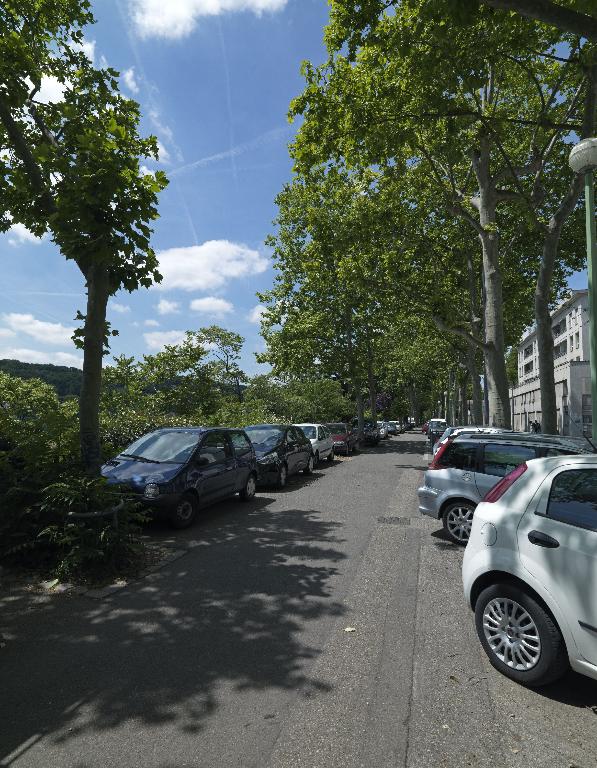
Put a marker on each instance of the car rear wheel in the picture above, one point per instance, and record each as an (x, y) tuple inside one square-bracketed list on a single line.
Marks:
[(248, 492), (458, 519), (520, 638), (185, 512), (309, 468), (282, 476)]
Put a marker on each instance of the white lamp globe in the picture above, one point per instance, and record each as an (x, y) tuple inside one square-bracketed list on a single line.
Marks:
[(583, 157)]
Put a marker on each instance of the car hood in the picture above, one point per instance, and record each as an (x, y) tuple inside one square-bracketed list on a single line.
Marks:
[(137, 473)]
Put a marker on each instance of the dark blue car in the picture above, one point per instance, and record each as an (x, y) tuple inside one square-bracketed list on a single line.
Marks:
[(179, 470)]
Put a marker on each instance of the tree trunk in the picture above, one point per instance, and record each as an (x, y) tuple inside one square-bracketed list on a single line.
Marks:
[(371, 383), (93, 354), (547, 383), (471, 350), (360, 412), (497, 377), (464, 399)]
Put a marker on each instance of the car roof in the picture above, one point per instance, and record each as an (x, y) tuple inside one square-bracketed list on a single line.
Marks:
[(310, 424), (198, 430), (553, 462), (561, 441), (266, 426)]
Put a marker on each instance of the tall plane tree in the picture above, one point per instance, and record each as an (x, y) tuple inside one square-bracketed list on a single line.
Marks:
[(71, 168)]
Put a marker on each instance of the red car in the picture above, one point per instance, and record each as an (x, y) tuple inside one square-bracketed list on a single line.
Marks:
[(345, 438), (425, 427)]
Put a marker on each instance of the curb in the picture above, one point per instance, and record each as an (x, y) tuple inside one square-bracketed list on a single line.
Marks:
[(111, 589)]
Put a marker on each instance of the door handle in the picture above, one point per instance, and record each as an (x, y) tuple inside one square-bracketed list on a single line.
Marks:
[(543, 540)]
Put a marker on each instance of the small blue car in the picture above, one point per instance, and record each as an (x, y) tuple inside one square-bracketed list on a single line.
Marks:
[(179, 470)]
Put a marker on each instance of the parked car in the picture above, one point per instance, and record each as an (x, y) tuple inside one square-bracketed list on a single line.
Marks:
[(345, 437), (425, 428), (177, 471), (382, 428), (436, 429), (370, 433), (393, 428), (467, 467), (282, 450), (530, 570), (322, 443)]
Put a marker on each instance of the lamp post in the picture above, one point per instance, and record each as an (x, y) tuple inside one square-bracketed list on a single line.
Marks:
[(583, 159)]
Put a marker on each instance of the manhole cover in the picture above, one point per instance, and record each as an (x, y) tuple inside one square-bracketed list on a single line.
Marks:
[(394, 520)]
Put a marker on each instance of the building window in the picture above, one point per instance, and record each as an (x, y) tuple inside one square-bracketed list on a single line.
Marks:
[(528, 367), (577, 339), (561, 349), (528, 351)]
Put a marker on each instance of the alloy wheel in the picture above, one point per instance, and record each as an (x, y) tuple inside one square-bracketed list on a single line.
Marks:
[(459, 521), (251, 487), (512, 634), (184, 511)]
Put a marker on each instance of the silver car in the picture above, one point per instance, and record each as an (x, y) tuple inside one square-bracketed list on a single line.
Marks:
[(455, 431), (468, 466)]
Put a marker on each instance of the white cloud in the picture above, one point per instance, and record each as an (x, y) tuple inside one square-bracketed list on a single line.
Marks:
[(152, 324), (122, 309), (157, 340), (6, 333), (18, 234), (256, 313), (213, 306), (130, 80), (177, 18), (208, 266), (163, 154), (51, 90), (165, 307), (88, 48), (35, 356), (48, 333), (145, 171)]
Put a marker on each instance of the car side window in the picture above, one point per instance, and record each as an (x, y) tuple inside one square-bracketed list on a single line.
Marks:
[(292, 436), (214, 449), (500, 459), (459, 456), (241, 443), (573, 498), (321, 435)]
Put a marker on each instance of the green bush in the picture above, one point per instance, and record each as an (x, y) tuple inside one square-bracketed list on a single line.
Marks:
[(96, 529)]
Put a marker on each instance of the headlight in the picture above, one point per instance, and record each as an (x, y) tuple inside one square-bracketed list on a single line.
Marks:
[(152, 491)]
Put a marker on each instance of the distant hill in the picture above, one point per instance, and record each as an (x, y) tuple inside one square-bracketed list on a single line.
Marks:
[(66, 381)]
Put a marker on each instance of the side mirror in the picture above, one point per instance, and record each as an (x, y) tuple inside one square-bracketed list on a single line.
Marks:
[(202, 461)]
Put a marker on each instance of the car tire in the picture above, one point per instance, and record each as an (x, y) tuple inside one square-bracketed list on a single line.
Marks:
[(309, 468), (316, 460), (544, 658), (331, 456), (457, 518), (282, 478), (250, 489), (184, 513)]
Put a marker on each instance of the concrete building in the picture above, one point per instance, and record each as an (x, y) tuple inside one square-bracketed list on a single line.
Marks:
[(572, 371)]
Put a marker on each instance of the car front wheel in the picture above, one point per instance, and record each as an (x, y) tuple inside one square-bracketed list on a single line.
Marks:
[(248, 492), (316, 460), (458, 519), (185, 512), (309, 468), (520, 638), (331, 456)]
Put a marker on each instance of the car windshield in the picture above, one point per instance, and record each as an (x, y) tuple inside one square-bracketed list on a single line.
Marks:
[(174, 447), (337, 429), (265, 436), (310, 432), (437, 424)]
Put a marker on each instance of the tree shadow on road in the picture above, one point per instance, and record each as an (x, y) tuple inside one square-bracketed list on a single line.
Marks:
[(231, 612)]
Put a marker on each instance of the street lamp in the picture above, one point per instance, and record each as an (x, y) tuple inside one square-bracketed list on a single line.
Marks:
[(583, 159)]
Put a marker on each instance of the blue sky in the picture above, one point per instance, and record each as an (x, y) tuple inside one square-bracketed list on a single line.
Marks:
[(214, 79)]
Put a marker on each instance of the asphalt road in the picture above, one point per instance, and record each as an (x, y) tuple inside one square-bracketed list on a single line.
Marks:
[(237, 655)]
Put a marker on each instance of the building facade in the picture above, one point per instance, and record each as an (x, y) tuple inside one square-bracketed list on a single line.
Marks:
[(570, 327)]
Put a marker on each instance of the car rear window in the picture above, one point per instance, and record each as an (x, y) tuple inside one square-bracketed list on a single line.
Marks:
[(502, 458), (573, 498), (458, 456)]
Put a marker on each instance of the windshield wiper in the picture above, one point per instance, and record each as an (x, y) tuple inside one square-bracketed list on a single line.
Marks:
[(140, 458)]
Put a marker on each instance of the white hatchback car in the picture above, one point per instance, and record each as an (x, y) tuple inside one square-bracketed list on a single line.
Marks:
[(530, 570), (321, 441)]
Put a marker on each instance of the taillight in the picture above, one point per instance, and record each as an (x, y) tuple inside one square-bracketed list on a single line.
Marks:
[(441, 450), (500, 489)]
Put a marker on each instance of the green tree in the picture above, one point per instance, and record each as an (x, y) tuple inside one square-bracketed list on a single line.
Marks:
[(72, 168)]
